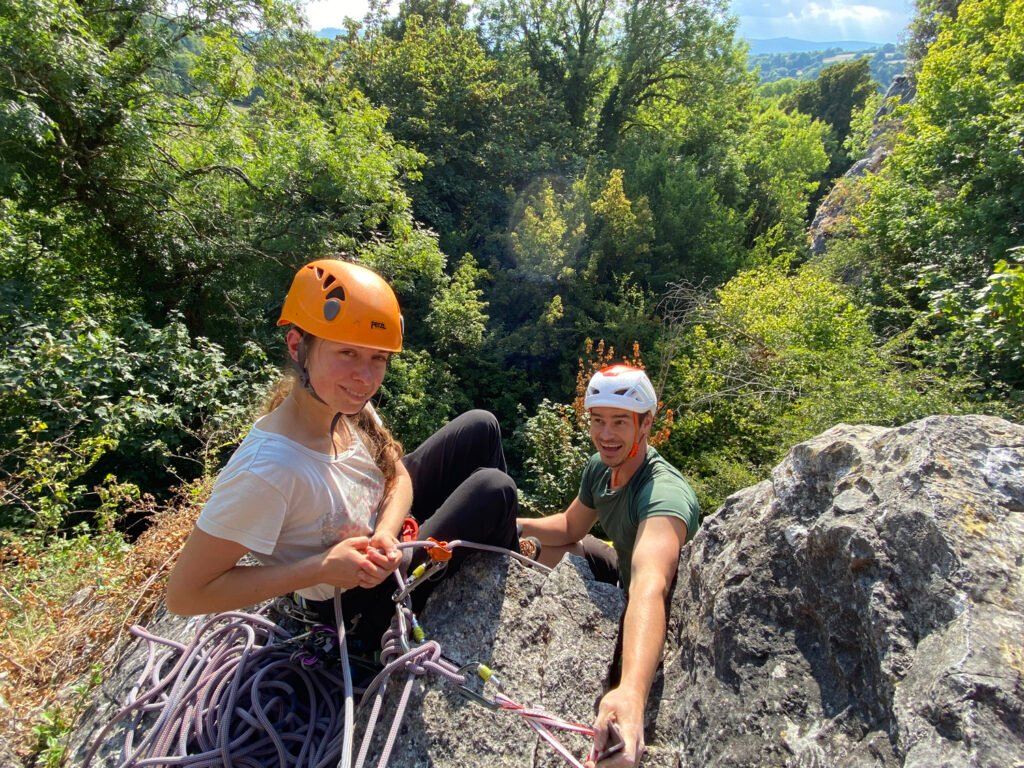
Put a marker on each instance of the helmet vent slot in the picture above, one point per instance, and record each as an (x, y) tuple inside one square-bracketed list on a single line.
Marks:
[(329, 282)]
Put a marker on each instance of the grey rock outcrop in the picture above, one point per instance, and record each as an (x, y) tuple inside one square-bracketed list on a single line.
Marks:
[(548, 639), (863, 606), (831, 212)]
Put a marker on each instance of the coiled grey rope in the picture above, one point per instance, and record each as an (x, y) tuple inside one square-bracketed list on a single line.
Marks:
[(239, 696)]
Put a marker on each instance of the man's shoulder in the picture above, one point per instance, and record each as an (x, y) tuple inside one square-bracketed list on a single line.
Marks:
[(664, 488), (658, 469)]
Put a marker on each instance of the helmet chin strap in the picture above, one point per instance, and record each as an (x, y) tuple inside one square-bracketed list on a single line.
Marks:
[(304, 372), (632, 451), (636, 442), (308, 386)]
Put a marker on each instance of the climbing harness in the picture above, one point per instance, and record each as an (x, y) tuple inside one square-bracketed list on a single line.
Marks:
[(247, 692)]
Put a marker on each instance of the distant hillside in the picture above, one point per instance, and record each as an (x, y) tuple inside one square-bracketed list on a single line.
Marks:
[(793, 45), (887, 61), (329, 32)]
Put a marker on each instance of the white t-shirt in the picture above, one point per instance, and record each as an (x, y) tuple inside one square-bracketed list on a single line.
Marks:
[(285, 502)]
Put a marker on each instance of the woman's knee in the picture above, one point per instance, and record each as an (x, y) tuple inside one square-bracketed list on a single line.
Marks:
[(482, 423), (491, 482), (496, 497), (480, 435)]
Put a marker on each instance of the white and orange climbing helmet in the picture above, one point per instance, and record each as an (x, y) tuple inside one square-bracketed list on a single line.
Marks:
[(344, 302), (621, 386)]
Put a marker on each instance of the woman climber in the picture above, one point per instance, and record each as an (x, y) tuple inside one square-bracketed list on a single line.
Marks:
[(318, 490)]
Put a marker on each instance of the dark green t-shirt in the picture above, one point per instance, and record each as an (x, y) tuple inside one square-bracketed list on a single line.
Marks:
[(657, 488)]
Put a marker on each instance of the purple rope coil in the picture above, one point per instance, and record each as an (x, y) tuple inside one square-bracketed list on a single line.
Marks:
[(239, 695), (236, 696)]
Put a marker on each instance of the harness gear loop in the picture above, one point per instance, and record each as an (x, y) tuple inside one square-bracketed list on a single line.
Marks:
[(410, 530)]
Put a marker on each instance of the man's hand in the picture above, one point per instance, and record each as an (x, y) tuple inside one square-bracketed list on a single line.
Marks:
[(626, 710)]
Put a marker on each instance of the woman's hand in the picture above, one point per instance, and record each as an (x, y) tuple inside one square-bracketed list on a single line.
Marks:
[(344, 564), (382, 558)]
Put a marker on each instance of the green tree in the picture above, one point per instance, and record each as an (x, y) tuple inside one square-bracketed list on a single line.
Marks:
[(833, 98), (945, 209), (669, 50), (924, 28), (162, 177), (457, 315), (783, 156), (418, 397), (775, 357), (479, 122), (622, 234), (545, 244), (605, 61), (567, 44), (200, 202)]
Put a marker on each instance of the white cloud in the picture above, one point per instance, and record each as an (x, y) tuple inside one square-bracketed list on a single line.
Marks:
[(883, 21), (840, 14), (331, 13)]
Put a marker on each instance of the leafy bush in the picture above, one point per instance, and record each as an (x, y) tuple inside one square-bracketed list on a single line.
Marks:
[(555, 445), (418, 397), (946, 207), (774, 358), (125, 407)]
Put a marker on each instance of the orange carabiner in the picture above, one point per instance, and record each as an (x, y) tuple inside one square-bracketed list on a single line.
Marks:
[(440, 551)]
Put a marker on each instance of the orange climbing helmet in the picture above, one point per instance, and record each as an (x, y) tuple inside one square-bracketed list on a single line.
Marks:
[(344, 302)]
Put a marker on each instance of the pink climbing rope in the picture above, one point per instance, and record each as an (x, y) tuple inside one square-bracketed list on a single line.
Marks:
[(244, 694), (543, 723)]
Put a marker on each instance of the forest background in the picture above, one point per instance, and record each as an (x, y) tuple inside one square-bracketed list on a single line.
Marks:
[(548, 186), (885, 62)]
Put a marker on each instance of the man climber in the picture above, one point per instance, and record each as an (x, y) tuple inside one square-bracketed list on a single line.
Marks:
[(649, 510)]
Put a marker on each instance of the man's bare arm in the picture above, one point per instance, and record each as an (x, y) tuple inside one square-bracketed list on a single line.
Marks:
[(659, 541), (563, 528)]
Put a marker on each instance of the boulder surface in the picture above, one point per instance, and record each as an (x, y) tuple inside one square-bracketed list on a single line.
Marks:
[(862, 606)]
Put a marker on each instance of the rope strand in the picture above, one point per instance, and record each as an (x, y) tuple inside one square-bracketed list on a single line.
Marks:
[(243, 693)]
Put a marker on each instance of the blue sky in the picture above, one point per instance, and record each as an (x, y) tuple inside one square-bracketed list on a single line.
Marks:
[(877, 21)]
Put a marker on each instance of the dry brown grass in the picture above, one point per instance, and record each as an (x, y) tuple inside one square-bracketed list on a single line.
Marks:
[(66, 609)]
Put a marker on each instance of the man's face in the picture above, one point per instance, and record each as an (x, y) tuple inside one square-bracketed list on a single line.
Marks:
[(614, 431)]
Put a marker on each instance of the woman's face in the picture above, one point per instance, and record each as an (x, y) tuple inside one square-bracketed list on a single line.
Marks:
[(345, 376)]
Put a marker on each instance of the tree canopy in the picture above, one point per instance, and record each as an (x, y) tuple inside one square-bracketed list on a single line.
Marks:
[(532, 178)]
